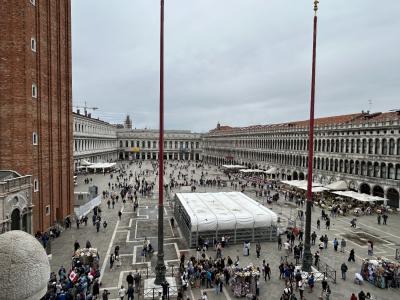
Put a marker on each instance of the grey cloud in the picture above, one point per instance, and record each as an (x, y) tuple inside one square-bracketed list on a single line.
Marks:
[(239, 62)]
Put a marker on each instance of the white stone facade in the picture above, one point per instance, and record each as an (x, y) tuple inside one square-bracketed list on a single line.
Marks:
[(143, 144), (94, 140), (362, 149), (15, 202)]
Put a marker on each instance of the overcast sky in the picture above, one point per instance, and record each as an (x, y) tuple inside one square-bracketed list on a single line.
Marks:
[(239, 62)]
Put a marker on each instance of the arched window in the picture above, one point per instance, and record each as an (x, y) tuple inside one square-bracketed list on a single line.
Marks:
[(364, 146), (391, 147), (370, 146), (347, 146), (376, 170), (383, 171), (391, 174), (384, 147), (352, 146), (377, 146), (358, 146)]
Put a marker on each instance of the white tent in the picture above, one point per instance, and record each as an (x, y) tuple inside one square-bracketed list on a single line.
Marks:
[(302, 184), (225, 211), (85, 209), (248, 171), (271, 171), (233, 167), (85, 163), (101, 166), (340, 185), (360, 197)]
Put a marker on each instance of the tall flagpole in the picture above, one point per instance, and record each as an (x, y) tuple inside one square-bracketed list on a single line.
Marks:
[(160, 267), (307, 256)]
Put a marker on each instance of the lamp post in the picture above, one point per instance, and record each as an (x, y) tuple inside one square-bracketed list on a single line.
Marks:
[(160, 267), (307, 256)]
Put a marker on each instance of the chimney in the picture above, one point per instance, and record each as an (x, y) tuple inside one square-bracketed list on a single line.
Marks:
[(89, 115), (85, 113), (78, 111)]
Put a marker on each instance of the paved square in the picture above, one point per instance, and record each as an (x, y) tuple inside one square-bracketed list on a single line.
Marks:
[(129, 233)]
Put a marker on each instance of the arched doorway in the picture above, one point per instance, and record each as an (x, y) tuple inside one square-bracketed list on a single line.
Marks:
[(289, 177), (295, 176), (365, 189), (15, 220), (25, 222), (393, 197), (301, 176), (378, 191)]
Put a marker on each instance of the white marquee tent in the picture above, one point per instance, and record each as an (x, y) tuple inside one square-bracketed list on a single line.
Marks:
[(215, 214), (359, 196), (302, 184)]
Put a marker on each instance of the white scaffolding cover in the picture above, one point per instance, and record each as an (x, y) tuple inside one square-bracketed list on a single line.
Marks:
[(225, 211)]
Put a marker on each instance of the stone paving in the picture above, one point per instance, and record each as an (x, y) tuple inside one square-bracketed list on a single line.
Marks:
[(129, 233)]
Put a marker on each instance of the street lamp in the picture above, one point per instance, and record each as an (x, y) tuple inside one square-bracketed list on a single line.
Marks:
[(160, 266), (307, 256)]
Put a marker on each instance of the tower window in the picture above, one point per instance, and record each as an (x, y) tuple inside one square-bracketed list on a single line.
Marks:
[(33, 2), (34, 90), (47, 210), (33, 44), (34, 138), (35, 185)]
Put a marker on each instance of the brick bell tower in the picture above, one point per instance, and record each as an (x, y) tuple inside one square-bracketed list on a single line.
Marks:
[(35, 103)]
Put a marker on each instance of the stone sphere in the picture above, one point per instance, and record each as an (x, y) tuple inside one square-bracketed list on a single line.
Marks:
[(24, 265)]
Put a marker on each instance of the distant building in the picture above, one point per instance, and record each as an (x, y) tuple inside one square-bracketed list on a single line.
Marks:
[(94, 140), (362, 149), (143, 144), (35, 103), (15, 202), (128, 123)]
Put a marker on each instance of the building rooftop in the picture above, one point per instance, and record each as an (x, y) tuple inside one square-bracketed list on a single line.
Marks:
[(356, 118), (7, 175)]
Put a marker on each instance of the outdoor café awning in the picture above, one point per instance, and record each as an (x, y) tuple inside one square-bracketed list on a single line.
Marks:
[(84, 162), (340, 185), (271, 171), (359, 197), (302, 184), (101, 166), (251, 171), (233, 167)]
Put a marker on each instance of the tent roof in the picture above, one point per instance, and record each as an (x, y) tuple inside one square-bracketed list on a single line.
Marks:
[(84, 162), (224, 211), (251, 171), (101, 165), (271, 171), (302, 184), (233, 167), (340, 185), (359, 196)]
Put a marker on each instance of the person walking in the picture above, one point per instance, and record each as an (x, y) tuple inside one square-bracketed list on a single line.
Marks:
[(343, 269), (267, 272), (122, 292), (97, 225), (342, 245), (352, 256), (301, 289), (313, 238), (258, 249), (279, 243), (112, 259), (318, 224), (335, 244), (385, 217), (379, 219), (370, 248), (119, 215), (130, 292)]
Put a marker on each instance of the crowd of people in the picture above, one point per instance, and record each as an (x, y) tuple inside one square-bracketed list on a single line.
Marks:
[(207, 269)]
